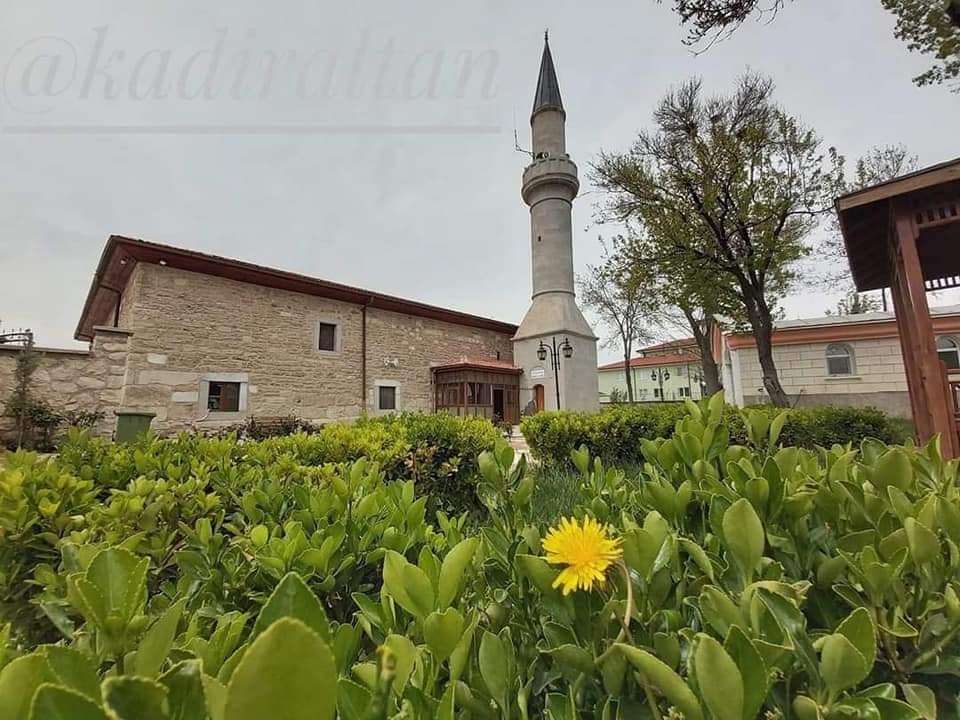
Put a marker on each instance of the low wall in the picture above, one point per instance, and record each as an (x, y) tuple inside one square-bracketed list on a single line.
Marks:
[(72, 380)]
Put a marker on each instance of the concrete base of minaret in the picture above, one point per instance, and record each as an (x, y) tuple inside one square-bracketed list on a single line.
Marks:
[(556, 315)]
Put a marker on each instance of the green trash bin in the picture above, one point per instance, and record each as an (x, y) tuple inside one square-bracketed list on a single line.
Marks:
[(131, 424)]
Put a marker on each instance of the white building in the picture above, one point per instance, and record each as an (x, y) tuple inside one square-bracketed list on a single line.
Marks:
[(669, 372), (841, 360)]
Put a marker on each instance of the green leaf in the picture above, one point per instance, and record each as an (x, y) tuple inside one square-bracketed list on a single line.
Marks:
[(73, 670), (156, 644), (922, 541), (892, 709), (405, 655), (574, 658), (493, 669), (408, 585), (292, 598), (215, 696), (184, 683), (259, 535), (892, 468), (53, 702), (743, 535), (452, 569), (859, 629), (120, 576), (753, 671), (841, 664), (922, 699), (133, 698), (718, 679), (447, 705), (288, 673), (442, 631), (671, 685), (353, 700), (776, 427), (537, 571), (19, 680)]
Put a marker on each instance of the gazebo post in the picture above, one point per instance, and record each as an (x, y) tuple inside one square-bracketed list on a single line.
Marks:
[(926, 381)]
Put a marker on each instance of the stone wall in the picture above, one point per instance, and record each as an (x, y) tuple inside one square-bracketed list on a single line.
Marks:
[(72, 380), (189, 328)]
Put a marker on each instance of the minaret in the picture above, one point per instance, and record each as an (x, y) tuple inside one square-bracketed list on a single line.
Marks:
[(549, 186)]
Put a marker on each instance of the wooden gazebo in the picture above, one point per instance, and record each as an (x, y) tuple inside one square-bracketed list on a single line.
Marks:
[(905, 235), (489, 388)]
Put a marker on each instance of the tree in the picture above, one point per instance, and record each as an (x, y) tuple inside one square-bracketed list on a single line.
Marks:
[(728, 188), (682, 300), (931, 27), (854, 303), (881, 164), (620, 300)]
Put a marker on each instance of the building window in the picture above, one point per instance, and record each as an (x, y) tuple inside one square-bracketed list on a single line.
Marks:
[(223, 397), (684, 392), (839, 360), (386, 397), (656, 392), (327, 337), (478, 394), (949, 352)]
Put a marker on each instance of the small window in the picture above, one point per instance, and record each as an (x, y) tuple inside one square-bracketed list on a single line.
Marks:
[(684, 392), (839, 360), (656, 392), (949, 352), (387, 398), (327, 337), (223, 397)]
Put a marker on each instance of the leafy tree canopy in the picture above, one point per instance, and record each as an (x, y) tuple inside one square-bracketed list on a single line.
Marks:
[(931, 27)]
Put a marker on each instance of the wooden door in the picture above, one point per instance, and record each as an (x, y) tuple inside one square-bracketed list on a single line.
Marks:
[(538, 397)]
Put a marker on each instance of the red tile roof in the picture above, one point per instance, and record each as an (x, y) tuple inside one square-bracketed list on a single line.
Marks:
[(656, 361), (488, 364), (121, 254)]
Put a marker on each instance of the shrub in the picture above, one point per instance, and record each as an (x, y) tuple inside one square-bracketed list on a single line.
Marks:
[(755, 580), (614, 434)]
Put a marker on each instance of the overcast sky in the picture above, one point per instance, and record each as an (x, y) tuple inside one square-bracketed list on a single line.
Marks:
[(347, 141)]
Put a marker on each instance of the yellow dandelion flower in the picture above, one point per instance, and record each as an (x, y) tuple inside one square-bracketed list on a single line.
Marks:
[(585, 550)]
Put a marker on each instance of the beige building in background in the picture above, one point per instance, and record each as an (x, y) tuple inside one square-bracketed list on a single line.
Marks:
[(204, 341), (851, 360)]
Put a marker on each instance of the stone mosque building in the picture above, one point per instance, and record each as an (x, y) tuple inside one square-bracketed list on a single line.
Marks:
[(193, 338)]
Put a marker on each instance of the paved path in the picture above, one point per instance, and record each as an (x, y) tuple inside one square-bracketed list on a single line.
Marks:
[(519, 445)]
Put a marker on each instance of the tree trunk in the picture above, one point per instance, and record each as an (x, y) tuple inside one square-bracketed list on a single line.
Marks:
[(761, 322), (701, 333), (627, 371), (711, 370)]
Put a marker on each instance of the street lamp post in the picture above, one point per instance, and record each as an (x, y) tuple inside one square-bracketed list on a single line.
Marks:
[(658, 376), (566, 348)]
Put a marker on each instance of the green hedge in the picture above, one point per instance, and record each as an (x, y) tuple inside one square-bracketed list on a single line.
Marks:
[(438, 452), (614, 434)]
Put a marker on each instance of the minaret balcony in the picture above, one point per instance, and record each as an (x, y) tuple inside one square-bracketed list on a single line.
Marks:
[(558, 173)]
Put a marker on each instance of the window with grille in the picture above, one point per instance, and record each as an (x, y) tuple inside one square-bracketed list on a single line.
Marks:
[(948, 350), (386, 397), (839, 360), (327, 337), (223, 397)]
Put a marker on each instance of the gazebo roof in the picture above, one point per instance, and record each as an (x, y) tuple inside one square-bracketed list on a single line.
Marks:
[(933, 194)]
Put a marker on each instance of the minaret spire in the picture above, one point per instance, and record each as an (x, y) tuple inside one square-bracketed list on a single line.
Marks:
[(547, 96), (549, 188)]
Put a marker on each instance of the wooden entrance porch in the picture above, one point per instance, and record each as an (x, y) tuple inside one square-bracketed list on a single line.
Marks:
[(489, 388), (905, 235)]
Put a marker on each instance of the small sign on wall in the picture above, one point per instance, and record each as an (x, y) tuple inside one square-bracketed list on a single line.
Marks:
[(537, 373)]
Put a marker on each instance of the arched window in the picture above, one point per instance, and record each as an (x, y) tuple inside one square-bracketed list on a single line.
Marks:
[(839, 360), (949, 351)]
